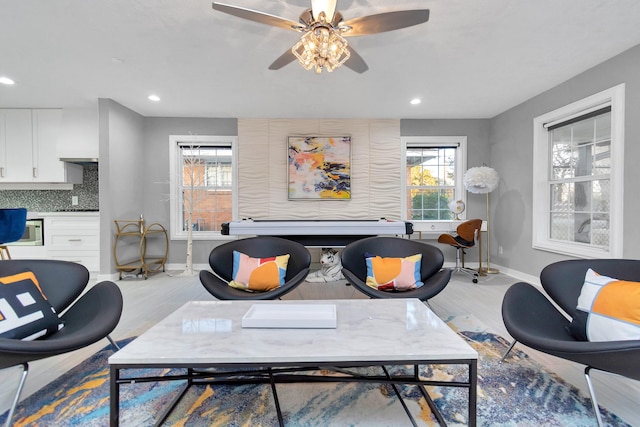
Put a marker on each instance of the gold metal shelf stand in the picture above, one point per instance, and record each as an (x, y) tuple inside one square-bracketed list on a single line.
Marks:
[(144, 263)]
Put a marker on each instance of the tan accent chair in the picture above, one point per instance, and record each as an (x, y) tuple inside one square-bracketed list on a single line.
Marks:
[(466, 235)]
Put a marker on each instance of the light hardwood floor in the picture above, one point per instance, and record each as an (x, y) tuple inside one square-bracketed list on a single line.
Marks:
[(148, 301)]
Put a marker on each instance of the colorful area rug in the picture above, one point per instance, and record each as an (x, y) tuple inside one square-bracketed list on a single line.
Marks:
[(518, 393)]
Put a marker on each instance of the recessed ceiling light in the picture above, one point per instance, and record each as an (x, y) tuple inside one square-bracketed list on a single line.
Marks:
[(416, 101), (154, 98), (6, 81)]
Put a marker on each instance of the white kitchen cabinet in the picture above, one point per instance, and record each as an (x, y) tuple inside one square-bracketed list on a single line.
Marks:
[(16, 145), (79, 137), (27, 252), (73, 238), (47, 127), (28, 148)]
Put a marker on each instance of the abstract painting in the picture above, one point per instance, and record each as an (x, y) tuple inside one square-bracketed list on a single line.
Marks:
[(319, 168)]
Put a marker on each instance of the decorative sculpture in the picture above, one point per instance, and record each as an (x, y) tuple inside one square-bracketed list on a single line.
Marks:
[(331, 269)]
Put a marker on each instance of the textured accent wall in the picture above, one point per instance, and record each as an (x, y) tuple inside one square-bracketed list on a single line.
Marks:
[(375, 164)]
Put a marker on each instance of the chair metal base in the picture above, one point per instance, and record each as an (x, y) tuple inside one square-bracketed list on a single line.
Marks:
[(469, 271), (16, 399), (113, 343), (460, 269), (592, 393), (4, 252), (23, 379), (504, 356)]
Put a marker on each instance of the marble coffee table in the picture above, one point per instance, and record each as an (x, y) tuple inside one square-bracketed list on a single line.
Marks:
[(377, 332)]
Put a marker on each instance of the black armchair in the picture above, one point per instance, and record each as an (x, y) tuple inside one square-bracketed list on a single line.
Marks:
[(221, 262), (354, 266), (92, 317), (534, 321)]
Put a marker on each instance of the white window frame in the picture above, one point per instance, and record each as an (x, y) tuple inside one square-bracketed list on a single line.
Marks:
[(175, 209), (459, 142), (613, 97)]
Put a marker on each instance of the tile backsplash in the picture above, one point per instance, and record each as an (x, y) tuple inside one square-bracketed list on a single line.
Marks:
[(53, 200)]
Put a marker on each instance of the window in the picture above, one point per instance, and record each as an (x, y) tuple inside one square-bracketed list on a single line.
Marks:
[(202, 185), (578, 161), (432, 176)]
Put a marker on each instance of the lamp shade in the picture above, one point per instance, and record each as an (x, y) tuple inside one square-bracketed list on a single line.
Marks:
[(481, 179)]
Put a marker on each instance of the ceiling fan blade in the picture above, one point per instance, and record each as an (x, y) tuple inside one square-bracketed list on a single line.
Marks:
[(355, 62), (285, 59), (382, 22), (261, 17)]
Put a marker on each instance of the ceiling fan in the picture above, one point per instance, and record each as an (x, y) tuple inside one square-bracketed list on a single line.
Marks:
[(323, 29)]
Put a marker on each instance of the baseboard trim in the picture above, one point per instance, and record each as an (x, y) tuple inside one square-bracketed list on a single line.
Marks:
[(520, 276), (114, 277), (534, 280)]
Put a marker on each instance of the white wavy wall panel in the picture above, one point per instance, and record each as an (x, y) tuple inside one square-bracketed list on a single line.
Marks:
[(375, 160), (253, 168), (384, 169)]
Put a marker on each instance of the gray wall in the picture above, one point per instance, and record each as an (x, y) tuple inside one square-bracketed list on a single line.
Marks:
[(155, 182), (134, 175), (122, 169), (512, 153)]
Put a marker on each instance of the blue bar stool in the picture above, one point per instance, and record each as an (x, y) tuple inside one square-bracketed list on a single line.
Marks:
[(12, 225)]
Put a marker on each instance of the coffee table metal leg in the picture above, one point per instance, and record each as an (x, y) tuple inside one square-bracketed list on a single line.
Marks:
[(434, 409), (114, 397), (432, 405), (195, 376), (473, 392), (404, 405), (169, 409), (275, 398)]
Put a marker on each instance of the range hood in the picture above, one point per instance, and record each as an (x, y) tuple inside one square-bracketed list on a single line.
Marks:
[(36, 186), (79, 160), (61, 180)]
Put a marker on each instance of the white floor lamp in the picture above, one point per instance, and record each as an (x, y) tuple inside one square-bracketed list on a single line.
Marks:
[(483, 180)]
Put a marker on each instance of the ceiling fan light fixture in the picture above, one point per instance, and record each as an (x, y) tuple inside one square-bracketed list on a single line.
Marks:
[(326, 6), (322, 44), (321, 47)]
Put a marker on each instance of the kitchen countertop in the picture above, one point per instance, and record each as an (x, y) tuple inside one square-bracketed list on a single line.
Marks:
[(65, 213)]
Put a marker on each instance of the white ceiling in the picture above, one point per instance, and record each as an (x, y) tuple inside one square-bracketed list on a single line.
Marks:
[(473, 59)]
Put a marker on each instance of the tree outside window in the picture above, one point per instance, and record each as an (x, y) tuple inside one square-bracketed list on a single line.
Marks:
[(430, 182), (206, 187), (202, 185), (578, 176), (580, 181)]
